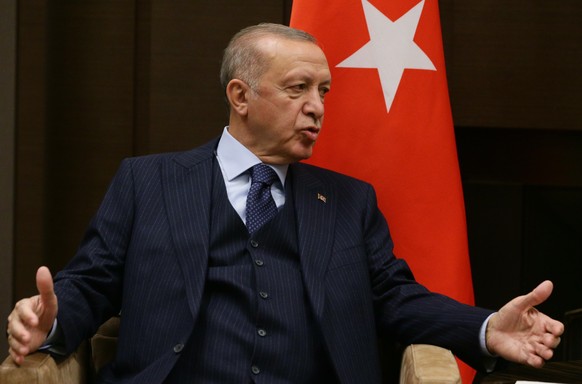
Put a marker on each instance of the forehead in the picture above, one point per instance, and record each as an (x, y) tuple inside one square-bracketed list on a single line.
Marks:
[(287, 57)]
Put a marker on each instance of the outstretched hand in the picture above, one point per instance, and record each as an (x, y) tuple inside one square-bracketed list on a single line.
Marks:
[(520, 333), (31, 319)]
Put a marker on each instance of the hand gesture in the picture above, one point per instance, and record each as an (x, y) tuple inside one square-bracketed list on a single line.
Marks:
[(32, 318), (522, 334)]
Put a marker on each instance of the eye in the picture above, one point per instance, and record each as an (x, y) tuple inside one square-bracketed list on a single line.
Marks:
[(296, 90), (323, 91), (299, 87)]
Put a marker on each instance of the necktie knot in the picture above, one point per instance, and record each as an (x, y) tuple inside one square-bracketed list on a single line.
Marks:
[(263, 173), (260, 204)]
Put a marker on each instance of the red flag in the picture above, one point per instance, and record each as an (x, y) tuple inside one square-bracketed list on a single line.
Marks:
[(388, 121)]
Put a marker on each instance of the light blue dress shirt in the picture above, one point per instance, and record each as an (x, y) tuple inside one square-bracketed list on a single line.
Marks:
[(235, 160)]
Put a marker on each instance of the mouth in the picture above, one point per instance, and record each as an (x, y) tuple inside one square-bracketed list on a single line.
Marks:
[(311, 132)]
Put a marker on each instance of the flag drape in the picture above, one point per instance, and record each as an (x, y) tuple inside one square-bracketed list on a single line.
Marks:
[(388, 121)]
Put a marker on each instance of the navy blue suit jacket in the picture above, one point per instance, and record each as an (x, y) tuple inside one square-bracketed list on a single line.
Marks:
[(146, 251)]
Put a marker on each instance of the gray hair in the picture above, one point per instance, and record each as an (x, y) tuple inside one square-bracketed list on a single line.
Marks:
[(244, 60)]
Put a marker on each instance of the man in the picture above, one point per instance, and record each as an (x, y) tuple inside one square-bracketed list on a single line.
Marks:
[(211, 290)]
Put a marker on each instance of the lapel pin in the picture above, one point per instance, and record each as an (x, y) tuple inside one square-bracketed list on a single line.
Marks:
[(321, 197)]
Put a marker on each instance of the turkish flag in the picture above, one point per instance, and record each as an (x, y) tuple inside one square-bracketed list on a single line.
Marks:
[(388, 121)]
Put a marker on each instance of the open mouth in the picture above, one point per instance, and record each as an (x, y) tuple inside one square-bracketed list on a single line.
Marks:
[(312, 132)]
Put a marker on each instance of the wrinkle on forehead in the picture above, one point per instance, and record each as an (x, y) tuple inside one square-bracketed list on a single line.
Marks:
[(286, 56), (273, 47)]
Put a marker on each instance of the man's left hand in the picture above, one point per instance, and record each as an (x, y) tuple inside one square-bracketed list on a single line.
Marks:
[(520, 333)]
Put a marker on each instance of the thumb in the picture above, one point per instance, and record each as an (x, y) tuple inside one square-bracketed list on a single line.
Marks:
[(44, 284), (537, 296)]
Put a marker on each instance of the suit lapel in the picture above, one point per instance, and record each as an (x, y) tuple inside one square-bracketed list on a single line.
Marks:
[(187, 180), (316, 210)]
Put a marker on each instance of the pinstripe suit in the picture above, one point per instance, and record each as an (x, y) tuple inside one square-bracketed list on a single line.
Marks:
[(146, 251)]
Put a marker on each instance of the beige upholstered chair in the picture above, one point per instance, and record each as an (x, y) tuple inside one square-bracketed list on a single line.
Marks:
[(424, 364)]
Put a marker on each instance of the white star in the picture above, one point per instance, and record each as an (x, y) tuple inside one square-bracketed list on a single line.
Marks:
[(391, 48)]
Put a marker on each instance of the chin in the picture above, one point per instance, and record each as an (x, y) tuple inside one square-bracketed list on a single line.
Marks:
[(304, 156), (301, 152)]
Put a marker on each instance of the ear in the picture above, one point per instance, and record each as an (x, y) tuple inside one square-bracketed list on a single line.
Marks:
[(237, 94)]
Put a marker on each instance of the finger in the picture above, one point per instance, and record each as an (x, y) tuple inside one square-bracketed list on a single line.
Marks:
[(538, 355), (535, 361), (18, 332), (18, 347), (555, 327), (550, 341), (535, 297), (544, 352), (556, 342), (24, 312), (44, 284), (16, 357)]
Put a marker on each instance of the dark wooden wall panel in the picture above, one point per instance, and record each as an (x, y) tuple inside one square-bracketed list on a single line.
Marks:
[(30, 204), (521, 156), (186, 105), (553, 244), (8, 34), (515, 64), (495, 232), (90, 77)]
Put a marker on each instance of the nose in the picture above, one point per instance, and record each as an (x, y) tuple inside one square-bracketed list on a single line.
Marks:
[(313, 105)]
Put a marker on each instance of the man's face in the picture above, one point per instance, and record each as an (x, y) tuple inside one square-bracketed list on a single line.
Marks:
[(285, 114)]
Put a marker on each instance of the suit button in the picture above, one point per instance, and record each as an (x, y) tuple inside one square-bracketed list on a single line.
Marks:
[(254, 243), (262, 332), (255, 370), (178, 348), (263, 295), (259, 262)]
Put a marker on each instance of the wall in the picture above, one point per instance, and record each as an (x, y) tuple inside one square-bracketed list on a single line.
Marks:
[(515, 87), (7, 105)]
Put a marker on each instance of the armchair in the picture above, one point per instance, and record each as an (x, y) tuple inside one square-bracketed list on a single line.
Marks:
[(424, 364)]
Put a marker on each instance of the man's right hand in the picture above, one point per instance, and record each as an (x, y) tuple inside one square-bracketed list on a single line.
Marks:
[(31, 319)]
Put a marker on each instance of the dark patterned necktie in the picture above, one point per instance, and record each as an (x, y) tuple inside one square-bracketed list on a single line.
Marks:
[(260, 204)]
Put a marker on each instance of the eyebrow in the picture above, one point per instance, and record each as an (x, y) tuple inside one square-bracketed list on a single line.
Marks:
[(307, 79)]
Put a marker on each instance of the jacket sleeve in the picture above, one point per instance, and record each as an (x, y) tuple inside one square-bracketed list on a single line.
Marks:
[(405, 310)]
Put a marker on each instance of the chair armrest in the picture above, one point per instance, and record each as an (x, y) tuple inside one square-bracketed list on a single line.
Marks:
[(42, 368), (104, 343), (427, 364)]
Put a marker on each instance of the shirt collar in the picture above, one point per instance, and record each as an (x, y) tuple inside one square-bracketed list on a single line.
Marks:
[(236, 159)]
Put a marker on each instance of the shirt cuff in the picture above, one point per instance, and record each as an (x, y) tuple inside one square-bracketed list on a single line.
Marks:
[(490, 360), (54, 342), (52, 333)]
